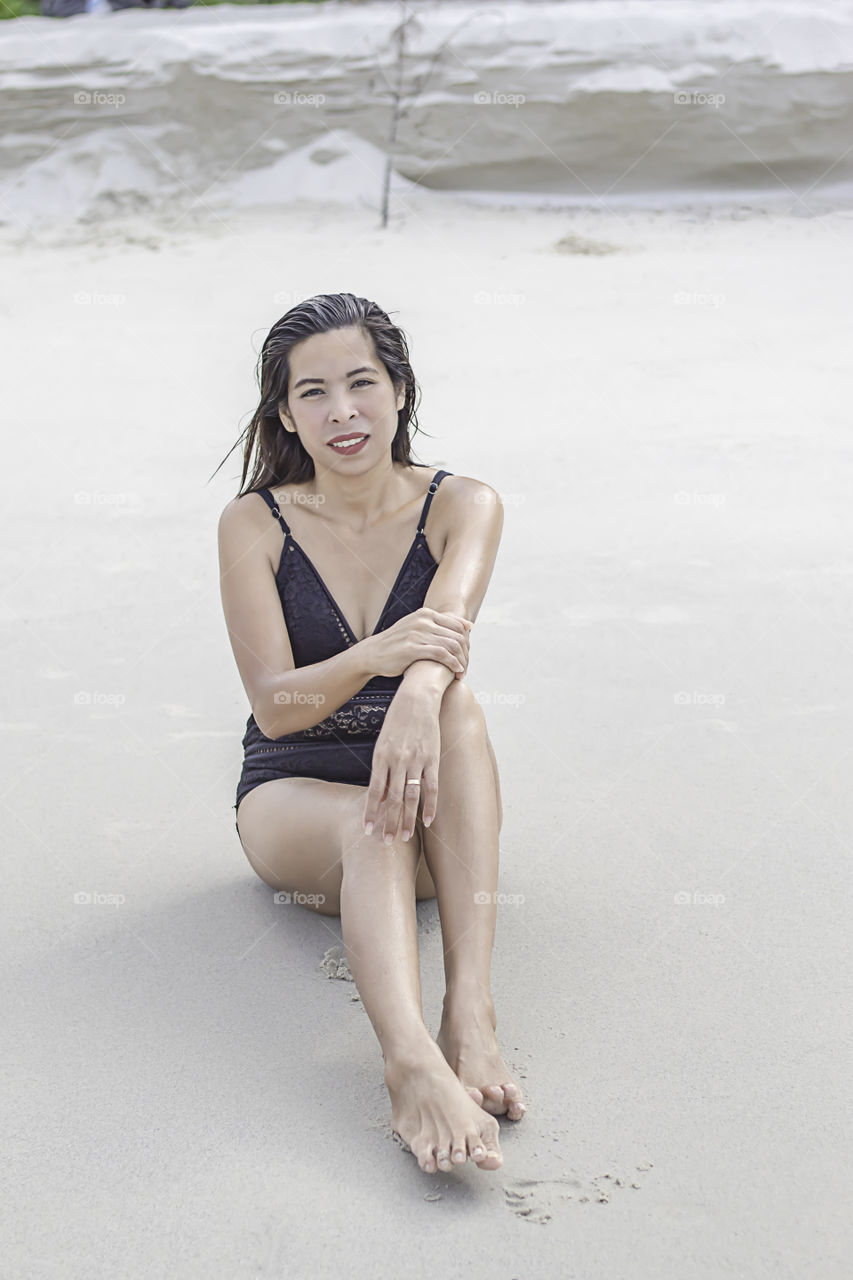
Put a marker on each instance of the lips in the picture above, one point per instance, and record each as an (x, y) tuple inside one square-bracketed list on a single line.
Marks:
[(353, 435), (349, 445)]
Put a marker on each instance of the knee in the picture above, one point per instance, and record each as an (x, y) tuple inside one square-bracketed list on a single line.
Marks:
[(358, 850), (460, 706)]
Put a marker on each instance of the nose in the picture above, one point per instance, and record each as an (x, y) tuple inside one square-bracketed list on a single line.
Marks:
[(340, 410)]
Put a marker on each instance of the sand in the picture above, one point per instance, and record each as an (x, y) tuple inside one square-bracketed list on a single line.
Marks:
[(657, 383), (663, 658)]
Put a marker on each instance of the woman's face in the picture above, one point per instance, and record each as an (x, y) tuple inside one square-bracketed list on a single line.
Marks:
[(338, 387)]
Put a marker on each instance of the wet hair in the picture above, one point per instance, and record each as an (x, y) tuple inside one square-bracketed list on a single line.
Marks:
[(279, 457)]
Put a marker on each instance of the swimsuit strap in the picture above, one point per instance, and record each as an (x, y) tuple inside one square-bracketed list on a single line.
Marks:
[(274, 511), (437, 479)]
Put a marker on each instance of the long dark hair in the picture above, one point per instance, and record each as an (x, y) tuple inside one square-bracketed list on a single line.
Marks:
[(279, 457)]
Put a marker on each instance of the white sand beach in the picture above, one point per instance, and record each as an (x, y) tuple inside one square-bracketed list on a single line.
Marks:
[(660, 397)]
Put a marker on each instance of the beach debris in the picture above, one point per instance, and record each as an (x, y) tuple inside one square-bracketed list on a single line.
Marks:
[(432, 1195), (401, 1142), (334, 964), (581, 244)]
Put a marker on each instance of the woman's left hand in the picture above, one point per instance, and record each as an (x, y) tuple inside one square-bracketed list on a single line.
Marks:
[(408, 746)]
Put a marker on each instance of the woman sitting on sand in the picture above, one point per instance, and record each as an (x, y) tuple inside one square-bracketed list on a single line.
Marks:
[(354, 679)]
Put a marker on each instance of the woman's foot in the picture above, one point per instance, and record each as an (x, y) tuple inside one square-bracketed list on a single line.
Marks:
[(435, 1116), (468, 1041)]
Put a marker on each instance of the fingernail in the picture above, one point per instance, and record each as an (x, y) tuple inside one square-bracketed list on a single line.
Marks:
[(389, 837), (368, 828), (427, 821), (406, 835)]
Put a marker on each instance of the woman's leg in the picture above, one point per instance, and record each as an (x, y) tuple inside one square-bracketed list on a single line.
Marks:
[(283, 827), (305, 836), (461, 849)]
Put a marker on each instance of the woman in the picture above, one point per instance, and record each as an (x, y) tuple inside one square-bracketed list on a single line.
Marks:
[(354, 679)]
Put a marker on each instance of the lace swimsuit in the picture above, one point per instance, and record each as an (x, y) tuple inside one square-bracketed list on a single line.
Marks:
[(339, 748)]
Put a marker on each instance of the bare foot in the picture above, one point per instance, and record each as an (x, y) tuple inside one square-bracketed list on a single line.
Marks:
[(434, 1115), (468, 1041)]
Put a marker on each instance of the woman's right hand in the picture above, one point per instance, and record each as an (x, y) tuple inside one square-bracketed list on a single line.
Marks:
[(443, 637)]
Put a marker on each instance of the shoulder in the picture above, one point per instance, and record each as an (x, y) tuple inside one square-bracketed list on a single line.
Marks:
[(242, 511), (242, 526), (466, 507), (464, 497)]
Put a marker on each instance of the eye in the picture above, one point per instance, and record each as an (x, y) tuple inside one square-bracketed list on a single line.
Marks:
[(367, 381)]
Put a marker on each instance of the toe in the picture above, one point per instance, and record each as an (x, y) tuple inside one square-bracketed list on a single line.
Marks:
[(515, 1107), (459, 1154), (489, 1140), (427, 1160), (444, 1160), (493, 1100), (476, 1147), (492, 1160), (475, 1094)]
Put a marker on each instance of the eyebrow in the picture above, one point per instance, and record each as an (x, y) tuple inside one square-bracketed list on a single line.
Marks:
[(366, 368)]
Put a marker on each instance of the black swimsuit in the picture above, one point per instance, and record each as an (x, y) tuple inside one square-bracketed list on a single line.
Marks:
[(339, 748)]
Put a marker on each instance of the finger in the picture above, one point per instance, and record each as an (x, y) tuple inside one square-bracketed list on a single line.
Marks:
[(458, 642), (429, 790), (375, 792), (393, 805), (411, 798), (451, 621), (466, 622), (440, 654)]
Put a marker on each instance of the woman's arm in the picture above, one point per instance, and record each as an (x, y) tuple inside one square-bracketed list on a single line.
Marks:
[(284, 698), (463, 575)]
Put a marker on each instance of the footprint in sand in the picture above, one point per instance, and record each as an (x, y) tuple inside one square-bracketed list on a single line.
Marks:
[(537, 1199)]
